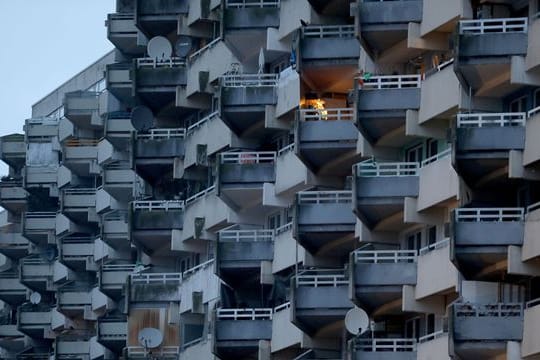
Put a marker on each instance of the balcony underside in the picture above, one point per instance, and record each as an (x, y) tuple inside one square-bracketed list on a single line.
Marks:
[(15, 251), (325, 157), (480, 350), (479, 169), (481, 262), (120, 191), (154, 25), (114, 291), (374, 211), (375, 125), (242, 196), (330, 75), (37, 284), (115, 344), (39, 237), (244, 120), (14, 205), (153, 242), (330, 239), (81, 167), (240, 273), (126, 43), (34, 331), (237, 349), (372, 297), (13, 297), (118, 241)]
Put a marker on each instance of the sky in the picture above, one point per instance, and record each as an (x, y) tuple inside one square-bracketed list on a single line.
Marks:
[(44, 43)]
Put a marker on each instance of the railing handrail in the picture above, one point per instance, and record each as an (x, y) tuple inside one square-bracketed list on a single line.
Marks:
[(436, 157), (238, 4), (372, 169), (252, 157), (245, 314), (153, 278), (321, 277), (196, 268), (532, 207), (532, 303), (436, 245), (344, 114), (81, 142), (151, 205), (325, 197), (79, 191), (381, 82), (385, 344), (246, 235), (250, 80), (197, 53), (323, 31), (502, 25), (118, 267), (283, 228), (385, 256), (40, 215), (161, 351), (534, 111), (154, 63), (283, 306), (492, 310), (489, 214), (432, 336), (286, 149), (491, 119), (200, 195), (192, 127), (163, 133)]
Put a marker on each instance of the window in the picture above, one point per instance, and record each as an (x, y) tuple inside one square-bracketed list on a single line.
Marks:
[(415, 153), (432, 148), (274, 221), (519, 104), (412, 328), (430, 324), (537, 96), (432, 235), (414, 241)]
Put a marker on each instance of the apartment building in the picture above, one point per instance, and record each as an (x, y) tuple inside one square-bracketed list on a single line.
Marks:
[(239, 177)]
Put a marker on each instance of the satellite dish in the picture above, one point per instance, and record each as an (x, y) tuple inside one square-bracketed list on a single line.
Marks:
[(35, 298), (356, 321), (150, 338), (142, 118), (183, 46), (159, 48)]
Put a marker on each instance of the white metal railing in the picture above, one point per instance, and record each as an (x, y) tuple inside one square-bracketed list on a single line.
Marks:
[(154, 63), (246, 235), (436, 157), (245, 314), (283, 228), (43, 121), (488, 119), (324, 31), (286, 149), (491, 310), (200, 195), (198, 124), (392, 82), (327, 114), (156, 278), (321, 277), (152, 205), (248, 157), (533, 112), (250, 80), (386, 345), (118, 267), (325, 197), (161, 351), (445, 64), (385, 256), (238, 4), (432, 336), (436, 245), (195, 269), (371, 169), (80, 191), (208, 46), (40, 215), (489, 214), (163, 134), (284, 306), (533, 207), (488, 26), (532, 303)]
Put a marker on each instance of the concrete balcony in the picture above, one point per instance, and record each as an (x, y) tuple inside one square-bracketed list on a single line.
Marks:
[(11, 339), (480, 238), (12, 243), (82, 109), (39, 227), (112, 332), (434, 343), (123, 183), (77, 252), (239, 254), (152, 222), (329, 45), (238, 331), (244, 98), (163, 353), (436, 274), (35, 320), (382, 103), (13, 150), (113, 278), (75, 301), (68, 347), (13, 196), (80, 156), (155, 287), (12, 291), (41, 127), (36, 273), (324, 222), (36, 178), (379, 191), (320, 300), (483, 330), (438, 181), (119, 79), (156, 151), (327, 140), (384, 24), (378, 276), (383, 349), (485, 47), (79, 204), (123, 33), (241, 176), (251, 14), (115, 229), (159, 18), (118, 129), (483, 143)]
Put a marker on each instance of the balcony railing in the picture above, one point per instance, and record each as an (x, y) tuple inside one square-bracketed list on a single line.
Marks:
[(489, 214), (321, 278), (163, 134), (491, 120), (373, 169), (250, 80), (325, 197), (239, 4), (246, 235), (489, 26), (328, 31), (208, 46), (156, 278), (286, 149), (197, 268), (532, 303), (432, 336), (245, 314), (248, 157), (392, 82), (533, 112), (436, 157), (491, 310), (385, 256), (386, 345), (154, 63), (200, 195), (163, 351), (193, 127), (81, 142), (327, 114), (160, 205), (437, 245), (79, 191), (283, 228), (118, 267), (283, 306)]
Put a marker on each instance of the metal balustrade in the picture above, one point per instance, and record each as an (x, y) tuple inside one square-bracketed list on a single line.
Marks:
[(161, 205), (155, 63), (346, 114), (489, 26), (372, 169), (533, 207), (200, 195), (382, 82), (81, 142), (489, 214), (436, 157), (248, 157), (245, 314), (432, 336), (138, 351), (79, 191), (386, 345), (321, 278), (163, 134), (384, 256), (191, 129), (488, 310), (246, 235), (436, 245), (197, 268), (284, 228), (118, 267), (116, 215), (40, 215), (250, 80), (156, 278), (43, 121), (208, 46), (491, 120), (325, 31), (239, 4), (325, 197), (283, 306), (286, 149), (532, 303), (533, 112)]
